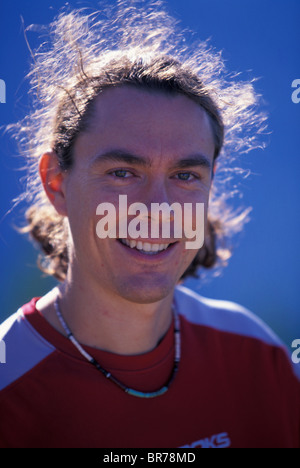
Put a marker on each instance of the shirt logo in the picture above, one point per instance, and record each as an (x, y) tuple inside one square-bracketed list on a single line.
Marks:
[(216, 441)]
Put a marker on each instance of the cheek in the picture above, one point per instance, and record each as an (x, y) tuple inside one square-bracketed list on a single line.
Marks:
[(81, 209), (184, 260), (83, 195)]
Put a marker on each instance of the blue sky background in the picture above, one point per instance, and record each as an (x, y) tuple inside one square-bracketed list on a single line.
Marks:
[(259, 38)]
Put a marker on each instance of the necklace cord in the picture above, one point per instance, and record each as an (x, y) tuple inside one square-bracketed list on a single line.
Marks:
[(108, 375)]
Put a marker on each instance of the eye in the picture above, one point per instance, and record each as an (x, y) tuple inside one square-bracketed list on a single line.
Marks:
[(121, 174), (186, 176)]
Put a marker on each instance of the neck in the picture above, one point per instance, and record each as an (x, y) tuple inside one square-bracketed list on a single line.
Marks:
[(108, 322)]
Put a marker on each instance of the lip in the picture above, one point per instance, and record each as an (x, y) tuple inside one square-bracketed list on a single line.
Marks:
[(157, 258), (154, 241)]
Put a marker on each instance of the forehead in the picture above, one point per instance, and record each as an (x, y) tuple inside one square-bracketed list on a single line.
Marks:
[(146, 122)]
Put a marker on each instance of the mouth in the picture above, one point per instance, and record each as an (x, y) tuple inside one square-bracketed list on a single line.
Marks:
[(146, 248)]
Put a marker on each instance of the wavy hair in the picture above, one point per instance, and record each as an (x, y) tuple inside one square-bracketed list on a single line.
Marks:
[(138, 44)]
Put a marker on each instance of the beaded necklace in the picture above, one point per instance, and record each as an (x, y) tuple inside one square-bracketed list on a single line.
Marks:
[(108, 375)]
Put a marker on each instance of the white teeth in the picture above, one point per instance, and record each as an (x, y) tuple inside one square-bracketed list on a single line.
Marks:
[(132, 244), (145, 246)]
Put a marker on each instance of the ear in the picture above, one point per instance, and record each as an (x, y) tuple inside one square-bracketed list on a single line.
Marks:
[(53, 178), (214, 169)]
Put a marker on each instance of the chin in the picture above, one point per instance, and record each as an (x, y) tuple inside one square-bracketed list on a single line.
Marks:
[(147, 291)]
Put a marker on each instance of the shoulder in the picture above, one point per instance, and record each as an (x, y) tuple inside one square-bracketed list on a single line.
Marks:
[(23, 348), (222, 315), (227, 317)]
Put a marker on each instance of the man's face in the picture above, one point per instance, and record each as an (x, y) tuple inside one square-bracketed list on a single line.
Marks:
[(162, 132)]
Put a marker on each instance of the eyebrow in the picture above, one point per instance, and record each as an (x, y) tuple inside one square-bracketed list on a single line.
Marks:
[(121, 156), (193, 161)]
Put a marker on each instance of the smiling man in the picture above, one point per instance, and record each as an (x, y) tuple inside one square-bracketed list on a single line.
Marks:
[(165, 130), (119, 354)]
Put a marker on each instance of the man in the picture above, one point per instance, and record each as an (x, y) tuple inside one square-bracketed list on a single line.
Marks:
[(120, 355)]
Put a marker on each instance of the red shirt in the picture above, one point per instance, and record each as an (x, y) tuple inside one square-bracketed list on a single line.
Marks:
[(235, 387)]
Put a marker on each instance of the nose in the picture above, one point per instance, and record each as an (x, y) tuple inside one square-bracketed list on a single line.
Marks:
[(156, 191), (164, 213)]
